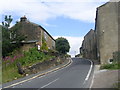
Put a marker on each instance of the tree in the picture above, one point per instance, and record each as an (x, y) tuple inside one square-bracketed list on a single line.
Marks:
[(7, 21), (15, 36), (7, 47), (62, 45), (10, 35)]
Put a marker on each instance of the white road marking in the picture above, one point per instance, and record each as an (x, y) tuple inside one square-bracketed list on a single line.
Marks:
[(88, 75), (13, 86), (42, 76), (92, 81), (49, 83), (29, 80)]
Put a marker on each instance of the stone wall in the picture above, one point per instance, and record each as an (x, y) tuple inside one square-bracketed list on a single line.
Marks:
[(33, 33), (89, 45), (107, 31), (106, 35), (119, 26), (27, 46), (50, 42)]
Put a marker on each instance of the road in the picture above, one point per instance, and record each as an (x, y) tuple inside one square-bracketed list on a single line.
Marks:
[(72, 76)]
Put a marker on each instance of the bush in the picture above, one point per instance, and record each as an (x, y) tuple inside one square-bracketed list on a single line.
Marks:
[(28, 58), (31, 56), (44, 46), (110, 66)]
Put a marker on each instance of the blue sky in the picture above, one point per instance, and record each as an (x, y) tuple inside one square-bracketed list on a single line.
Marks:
[(71, 19), (68, 27)]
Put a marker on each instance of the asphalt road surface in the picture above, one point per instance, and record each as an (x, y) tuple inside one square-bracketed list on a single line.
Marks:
[(73, 76)]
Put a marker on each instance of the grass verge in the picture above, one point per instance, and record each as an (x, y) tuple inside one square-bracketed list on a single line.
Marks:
[(26, 59), (112, 66)]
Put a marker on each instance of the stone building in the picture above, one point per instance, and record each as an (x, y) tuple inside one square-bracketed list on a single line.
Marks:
[(34, 33), (88, 48), (107, 31)]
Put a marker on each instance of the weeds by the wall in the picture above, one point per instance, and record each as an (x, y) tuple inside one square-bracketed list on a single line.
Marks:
[(110, 66), (26, 59)]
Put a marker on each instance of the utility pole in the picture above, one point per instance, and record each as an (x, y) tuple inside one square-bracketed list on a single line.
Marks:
[(75, 52)]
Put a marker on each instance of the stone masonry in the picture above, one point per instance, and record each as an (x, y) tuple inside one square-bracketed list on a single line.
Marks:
[(106, 34), (34, 34)]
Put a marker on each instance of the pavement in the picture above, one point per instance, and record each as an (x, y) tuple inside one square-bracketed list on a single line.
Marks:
[(104, 78)]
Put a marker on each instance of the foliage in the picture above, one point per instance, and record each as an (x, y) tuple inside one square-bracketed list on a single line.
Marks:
[(16, 37), (62, 45), (110, 66), (26, 59), (44, 46), (32, 56), (10, 35), (7, 47), (8, 20), (115, 64)]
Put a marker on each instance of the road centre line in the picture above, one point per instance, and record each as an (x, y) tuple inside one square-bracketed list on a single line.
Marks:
[(49, 83)]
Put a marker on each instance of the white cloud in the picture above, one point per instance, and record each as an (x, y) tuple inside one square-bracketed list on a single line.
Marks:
[(75, 44), (75, 0), (42, 10)]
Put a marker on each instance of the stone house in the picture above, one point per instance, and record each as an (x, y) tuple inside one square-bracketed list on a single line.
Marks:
[(107, 25), (34, 33)]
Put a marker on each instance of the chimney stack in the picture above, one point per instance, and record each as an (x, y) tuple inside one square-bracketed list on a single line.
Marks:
[(23, 19)]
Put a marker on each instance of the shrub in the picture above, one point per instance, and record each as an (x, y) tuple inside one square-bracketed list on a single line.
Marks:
[(28, 58), (110, 66)]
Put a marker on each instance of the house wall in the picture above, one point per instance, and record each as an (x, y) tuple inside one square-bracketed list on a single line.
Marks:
[(26, 46), (106, 37), (118, 26), (50, 42), (33, 32), (107, 31), (89, 46)]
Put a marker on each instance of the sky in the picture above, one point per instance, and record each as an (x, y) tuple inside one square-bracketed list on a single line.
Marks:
[(71, 19)]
